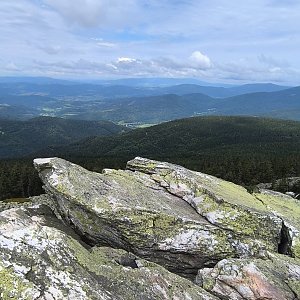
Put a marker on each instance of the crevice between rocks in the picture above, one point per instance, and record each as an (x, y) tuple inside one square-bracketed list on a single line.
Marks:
[(285, 243), (65, 223), (293, 292), (130, 259)]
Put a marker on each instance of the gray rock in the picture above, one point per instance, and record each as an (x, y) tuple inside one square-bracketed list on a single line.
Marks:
[(277, 278), (288, 209), (41, 259), (35, 200), (164, 213), (181, 219)]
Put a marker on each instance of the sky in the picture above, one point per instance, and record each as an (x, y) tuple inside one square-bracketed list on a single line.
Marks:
[(213, 40)]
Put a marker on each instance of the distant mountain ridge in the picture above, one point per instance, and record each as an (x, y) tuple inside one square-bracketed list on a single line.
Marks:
[(156, 109), (133, 82), (138, 105), (32, 79), (223, 92), (262, 103), (152, 109), (126, 88)]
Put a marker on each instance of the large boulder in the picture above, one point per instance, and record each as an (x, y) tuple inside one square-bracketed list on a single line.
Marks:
[(42, 259), (89, 236), (181, 219), (277, 278)]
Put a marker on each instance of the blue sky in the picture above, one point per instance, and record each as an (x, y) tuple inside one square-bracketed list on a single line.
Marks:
[(214, 40)]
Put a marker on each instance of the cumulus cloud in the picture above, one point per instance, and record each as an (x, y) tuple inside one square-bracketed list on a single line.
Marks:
[(125, 66), (200, 60), (126, 60), (241, 71)]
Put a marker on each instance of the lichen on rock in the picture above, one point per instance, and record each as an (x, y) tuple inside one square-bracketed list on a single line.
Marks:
[(116, 235), (41, 259), (288, 209), (181, 219), (276, 278)]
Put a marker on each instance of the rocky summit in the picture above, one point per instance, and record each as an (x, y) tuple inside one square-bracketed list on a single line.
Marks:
[(153, 231)]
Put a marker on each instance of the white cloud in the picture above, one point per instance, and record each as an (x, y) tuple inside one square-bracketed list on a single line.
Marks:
[(252, 70), (125, 66), (100, 42), (244, 70), (200, 60), (126, 60), (93, 13), (106, 44), (152, 38)]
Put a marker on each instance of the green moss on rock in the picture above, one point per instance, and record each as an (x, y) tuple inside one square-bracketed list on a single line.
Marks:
[(294, 284), (14, 287), (288, 209)]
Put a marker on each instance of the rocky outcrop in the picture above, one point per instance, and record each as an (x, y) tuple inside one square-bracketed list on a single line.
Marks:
[(237, 279), (116, 234), (40, 258), (181, 219)]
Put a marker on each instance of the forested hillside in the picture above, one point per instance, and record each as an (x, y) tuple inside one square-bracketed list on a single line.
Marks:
[(241, 149), (20, 138), (245, 150)]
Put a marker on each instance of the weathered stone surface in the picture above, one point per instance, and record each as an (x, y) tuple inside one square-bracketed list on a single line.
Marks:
[(40, 258), (288, 209), (222, 203), (36, 200), (181, 219), (131, 211), (277, 278)]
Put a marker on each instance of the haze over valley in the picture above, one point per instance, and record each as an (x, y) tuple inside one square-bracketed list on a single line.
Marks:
[(140, 105)]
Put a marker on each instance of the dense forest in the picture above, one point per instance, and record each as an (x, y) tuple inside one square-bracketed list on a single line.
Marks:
[(21, 138), (18, 179), (244, 150)]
